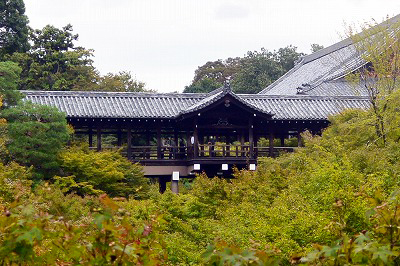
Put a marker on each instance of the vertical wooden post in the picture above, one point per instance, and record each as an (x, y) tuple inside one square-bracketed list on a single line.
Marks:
[(255, 145), (283, 140), (90, 137), (271, 143), (162, 184), (196, 140), (98, 138), (147, 150), (299, 139), (119, 137), (129, 143), (159, 141), (176, 148), (228, 145), (188, 145), (242, 143), (251, 138)]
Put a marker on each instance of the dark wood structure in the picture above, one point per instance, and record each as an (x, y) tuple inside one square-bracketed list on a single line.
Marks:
[(181, 134)]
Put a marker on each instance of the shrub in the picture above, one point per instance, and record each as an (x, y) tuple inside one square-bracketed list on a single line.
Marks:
[(106, 171)]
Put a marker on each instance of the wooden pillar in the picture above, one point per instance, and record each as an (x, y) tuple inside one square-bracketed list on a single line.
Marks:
[(159, 142), (242, 142), (283, 140), (188, 145), (255, 144), (98, 139), (196, 140), (147, 150), (119, 138), (228, 145), (271, 143), (162, 184), (299, 138), (90, 137), (251, 138), (129, 142)]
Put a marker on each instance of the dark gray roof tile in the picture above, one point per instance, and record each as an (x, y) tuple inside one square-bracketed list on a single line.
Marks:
[(134, 105)]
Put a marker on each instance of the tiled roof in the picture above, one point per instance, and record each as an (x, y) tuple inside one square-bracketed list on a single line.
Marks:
[(217, 95), (317, 70), (340, 87), (321, 73), (115, 104), (172, 105), (306, 107)]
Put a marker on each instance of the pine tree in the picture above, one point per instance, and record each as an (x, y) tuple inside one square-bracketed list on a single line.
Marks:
[(14, 29)]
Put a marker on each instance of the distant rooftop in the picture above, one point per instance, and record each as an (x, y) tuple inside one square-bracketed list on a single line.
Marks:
[(322, 73)]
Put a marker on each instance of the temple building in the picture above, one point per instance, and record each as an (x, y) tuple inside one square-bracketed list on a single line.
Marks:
[(175, 135)]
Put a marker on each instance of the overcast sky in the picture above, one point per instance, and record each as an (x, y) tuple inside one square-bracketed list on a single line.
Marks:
[(162, 42)]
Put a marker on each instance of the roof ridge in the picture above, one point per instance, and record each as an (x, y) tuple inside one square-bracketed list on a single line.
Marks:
[(112, 93), (304, 97)]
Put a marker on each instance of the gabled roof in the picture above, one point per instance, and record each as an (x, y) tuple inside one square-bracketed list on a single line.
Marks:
[(173, 105), (219, 94), (323, 71)]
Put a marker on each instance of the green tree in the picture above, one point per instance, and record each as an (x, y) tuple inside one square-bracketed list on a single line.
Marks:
[(36, 133), (316, 47), (121, 82), (9, 81), (379, 45), (287, 57), (54, 63), (203, 86), (106, 171), (249, 74), (13, 27), (213, 74), (257, 71)]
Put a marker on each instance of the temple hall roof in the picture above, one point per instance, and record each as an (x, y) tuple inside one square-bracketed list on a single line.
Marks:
[(323, 73), (173, 105)]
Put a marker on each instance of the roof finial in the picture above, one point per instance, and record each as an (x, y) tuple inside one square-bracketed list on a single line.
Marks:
[(227, 83)]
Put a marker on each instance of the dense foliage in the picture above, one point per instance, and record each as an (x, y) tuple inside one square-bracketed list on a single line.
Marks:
[(13, 27), (248, 74), (276, 215), (91, 172), (36, 133), (9, 80)]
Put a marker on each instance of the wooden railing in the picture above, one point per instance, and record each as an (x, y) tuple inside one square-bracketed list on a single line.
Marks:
[(139, 153), (217, 150)]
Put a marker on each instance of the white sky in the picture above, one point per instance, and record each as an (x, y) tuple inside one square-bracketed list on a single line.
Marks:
[(162, 42)]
